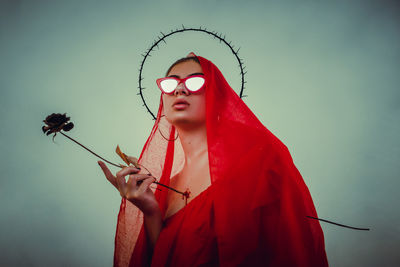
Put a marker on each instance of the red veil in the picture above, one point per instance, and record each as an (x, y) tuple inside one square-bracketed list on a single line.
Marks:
[(262, 202)]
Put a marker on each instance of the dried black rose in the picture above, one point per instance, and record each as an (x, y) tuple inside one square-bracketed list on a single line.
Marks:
[(55, 123)]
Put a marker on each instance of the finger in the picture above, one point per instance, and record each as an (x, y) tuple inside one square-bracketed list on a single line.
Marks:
[(110, 177), (134, 183), (128, 170), (135, 180), (145, 185), (121, 182), (134, 161), (121, 185)]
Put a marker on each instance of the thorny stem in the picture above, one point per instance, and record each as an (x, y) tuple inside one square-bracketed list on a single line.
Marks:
[(339, 224), (185, 194), (173, 189), (89, 150)]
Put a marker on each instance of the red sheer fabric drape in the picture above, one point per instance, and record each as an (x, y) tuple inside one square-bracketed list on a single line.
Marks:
[(260, 201)]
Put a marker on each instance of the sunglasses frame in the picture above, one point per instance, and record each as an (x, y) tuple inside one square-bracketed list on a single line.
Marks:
[(180, 81)]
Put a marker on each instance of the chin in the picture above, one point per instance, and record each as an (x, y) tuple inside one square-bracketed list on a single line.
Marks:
[(180, 120), (183, 120)]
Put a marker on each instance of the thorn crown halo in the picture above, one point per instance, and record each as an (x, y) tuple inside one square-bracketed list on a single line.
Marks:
[(162, 38)]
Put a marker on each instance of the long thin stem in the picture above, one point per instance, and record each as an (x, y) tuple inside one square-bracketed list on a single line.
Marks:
[(173, 189), (338, 224), (70, 138), (90, 150)]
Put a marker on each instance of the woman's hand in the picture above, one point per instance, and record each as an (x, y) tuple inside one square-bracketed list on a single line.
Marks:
[(136, 189)]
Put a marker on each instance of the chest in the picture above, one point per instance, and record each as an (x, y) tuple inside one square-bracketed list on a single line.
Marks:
[(196, 180)]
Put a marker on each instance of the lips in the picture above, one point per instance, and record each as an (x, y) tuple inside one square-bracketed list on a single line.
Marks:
[(180, 102)]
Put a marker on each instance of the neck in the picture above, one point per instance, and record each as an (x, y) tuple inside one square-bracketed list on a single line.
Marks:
[(194, 143)]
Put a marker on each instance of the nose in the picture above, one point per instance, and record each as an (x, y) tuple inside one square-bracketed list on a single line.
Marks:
[(181, 88)]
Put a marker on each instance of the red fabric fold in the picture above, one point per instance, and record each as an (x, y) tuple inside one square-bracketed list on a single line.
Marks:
[(259, 199)]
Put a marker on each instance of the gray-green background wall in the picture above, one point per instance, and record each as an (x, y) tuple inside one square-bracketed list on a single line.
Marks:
[(323, 76)]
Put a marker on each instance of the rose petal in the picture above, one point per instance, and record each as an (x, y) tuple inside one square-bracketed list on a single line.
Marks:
[(122, 155)]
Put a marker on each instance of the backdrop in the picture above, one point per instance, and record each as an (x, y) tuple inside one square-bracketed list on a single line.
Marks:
[(323, 76)]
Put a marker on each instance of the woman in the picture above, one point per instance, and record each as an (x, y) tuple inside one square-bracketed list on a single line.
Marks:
[(248, 203)]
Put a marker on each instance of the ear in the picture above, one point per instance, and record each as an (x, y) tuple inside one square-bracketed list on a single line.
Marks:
[(191, 54)]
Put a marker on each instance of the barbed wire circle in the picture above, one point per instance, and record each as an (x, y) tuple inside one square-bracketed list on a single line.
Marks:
[(162, 38)]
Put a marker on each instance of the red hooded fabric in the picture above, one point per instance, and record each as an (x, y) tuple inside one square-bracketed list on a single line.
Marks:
[(254, 212)]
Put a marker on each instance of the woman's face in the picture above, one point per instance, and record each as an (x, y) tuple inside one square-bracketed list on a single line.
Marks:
[(192, 114)]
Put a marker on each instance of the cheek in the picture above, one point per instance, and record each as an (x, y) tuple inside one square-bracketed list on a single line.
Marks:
[(201, 108), (166, 103)]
